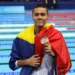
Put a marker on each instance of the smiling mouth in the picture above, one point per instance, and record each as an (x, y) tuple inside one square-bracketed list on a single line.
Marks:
[(40, 21)]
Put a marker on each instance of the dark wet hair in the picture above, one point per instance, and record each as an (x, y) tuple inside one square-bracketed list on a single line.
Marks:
[(40, 5)]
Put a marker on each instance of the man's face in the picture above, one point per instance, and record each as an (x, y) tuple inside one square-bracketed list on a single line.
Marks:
[(40, 16)]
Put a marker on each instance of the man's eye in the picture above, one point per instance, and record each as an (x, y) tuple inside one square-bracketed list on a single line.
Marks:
[(42, 14), (36, 14)]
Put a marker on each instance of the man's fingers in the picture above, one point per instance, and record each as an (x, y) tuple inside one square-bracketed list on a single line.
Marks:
[(47, 48), (36, 55), (36, 64), (48, 51)]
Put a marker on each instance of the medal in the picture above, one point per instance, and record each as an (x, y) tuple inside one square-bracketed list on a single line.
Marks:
[(44, 39)]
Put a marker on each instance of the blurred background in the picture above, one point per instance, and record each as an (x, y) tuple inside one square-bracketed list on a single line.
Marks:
[(15, 15)]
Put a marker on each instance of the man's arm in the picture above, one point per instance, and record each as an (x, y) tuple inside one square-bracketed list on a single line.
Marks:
[(16, 59), (32, 61)]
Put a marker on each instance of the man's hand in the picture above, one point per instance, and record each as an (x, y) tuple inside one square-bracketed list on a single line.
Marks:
[(48, 49), (33, 61)]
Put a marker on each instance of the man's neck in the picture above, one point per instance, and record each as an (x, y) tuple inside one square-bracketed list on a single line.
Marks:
[(37, 30)]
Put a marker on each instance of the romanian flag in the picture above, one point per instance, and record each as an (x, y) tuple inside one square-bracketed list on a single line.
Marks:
[(27, 44)]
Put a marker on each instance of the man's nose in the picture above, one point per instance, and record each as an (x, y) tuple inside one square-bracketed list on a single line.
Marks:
[(39, 17)]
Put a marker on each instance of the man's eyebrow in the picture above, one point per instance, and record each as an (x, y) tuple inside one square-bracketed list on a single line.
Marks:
[(40, 13)]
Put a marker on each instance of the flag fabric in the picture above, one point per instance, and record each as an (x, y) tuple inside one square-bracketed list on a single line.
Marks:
[(23, 48), (27, 44), (63, 62)]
